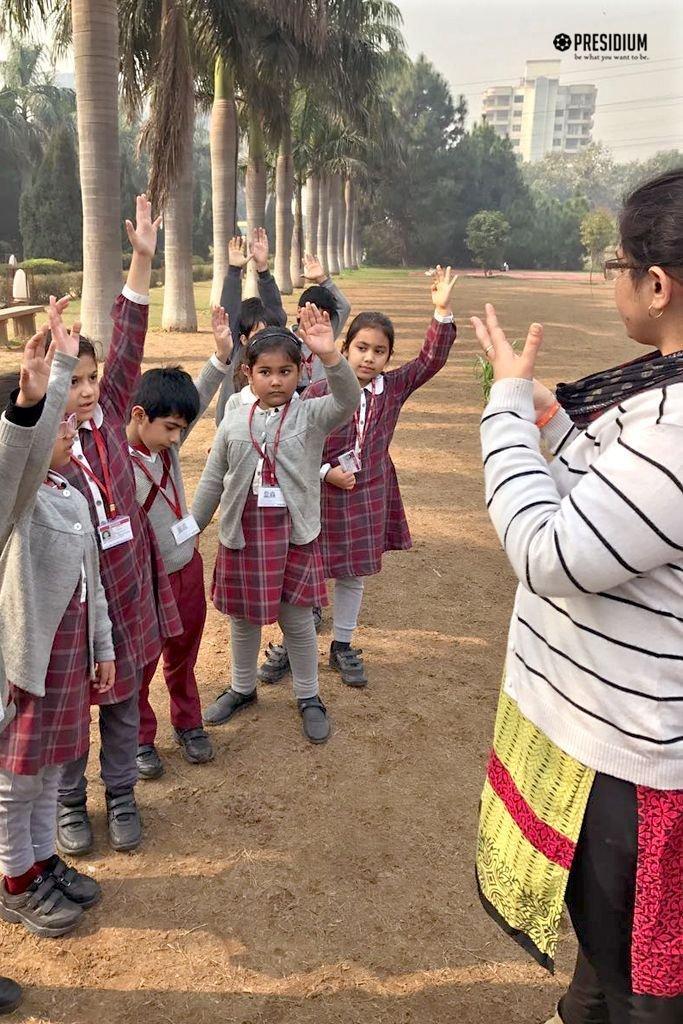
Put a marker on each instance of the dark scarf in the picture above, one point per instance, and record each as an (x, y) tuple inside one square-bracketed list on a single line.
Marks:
[(586, 399)]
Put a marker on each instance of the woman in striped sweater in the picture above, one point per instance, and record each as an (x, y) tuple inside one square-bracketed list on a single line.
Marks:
[(583, 801)]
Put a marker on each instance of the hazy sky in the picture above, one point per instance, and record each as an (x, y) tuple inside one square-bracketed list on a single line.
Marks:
[(477, 43)]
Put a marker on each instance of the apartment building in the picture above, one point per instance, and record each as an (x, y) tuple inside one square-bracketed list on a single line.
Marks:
[(539, 115)]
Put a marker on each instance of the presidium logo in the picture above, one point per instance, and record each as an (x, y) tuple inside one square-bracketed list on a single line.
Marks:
[(601, 46)]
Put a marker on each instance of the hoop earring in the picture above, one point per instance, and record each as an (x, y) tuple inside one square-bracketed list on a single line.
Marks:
[(654, 316)]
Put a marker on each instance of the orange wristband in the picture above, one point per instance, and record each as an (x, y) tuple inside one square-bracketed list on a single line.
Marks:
[(545, 419)]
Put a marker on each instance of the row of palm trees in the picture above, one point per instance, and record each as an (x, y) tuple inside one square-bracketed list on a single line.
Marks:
[(301, 80)]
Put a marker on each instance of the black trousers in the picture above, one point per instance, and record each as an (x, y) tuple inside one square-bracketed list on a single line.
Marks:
[(601, 899)]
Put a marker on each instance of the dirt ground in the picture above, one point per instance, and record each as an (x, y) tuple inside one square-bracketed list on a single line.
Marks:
[(288, 883)]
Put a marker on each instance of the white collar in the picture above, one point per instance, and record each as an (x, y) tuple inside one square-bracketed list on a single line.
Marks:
[(57, 478), (97, 418), (147, 456), (247, 397), (378, 382)]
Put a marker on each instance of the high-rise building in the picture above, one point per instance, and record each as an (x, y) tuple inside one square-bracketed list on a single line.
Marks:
[(539, 115)]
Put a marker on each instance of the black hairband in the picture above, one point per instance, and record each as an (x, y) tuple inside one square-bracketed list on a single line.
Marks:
[(275, 334)]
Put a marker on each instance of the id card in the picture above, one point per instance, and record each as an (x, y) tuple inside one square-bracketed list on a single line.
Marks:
[(115, 532), (184, 529), (271, 497), (349, 462)]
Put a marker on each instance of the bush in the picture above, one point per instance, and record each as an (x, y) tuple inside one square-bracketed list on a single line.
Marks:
[(157, 260), (45, 285), (202, 271), (45, 266)]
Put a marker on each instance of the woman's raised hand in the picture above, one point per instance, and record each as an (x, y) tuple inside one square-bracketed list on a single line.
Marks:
[(500, 353)]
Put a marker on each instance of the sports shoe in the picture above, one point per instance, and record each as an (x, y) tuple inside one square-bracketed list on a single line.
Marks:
[(79, 888), (315, 723), (10, 995), (196, 745), (74, 831), (349, 663), (150, 765), (276, 665), (125, 826), (43, 909), (226, 704)]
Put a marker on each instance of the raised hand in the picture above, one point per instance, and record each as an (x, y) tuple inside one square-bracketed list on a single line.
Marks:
[(443, 283), (237, 252), (500, 353), (339, 478), (105, 676), (313, 269), (143, 235), (259, 248), (316, 330), (220, 325), (34, 373), (61, 339)]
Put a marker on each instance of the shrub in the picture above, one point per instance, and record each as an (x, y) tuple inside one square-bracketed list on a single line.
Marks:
[(45, 285), (202, 271), (45, 266)]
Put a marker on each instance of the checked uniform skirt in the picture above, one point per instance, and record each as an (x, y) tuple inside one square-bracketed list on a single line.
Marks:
[(55, 728), (250, 583)]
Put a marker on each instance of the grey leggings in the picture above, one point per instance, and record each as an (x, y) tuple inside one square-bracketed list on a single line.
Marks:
[(348, 598), (299, 631), (28, 819)]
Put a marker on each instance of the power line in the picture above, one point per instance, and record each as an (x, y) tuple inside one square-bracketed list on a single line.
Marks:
[(568, 74)]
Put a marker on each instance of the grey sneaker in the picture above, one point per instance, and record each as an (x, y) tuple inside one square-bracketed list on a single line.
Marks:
[(349, 663), (315, 723), (43, 909), (79, 888), (226, 704), (276, 665)]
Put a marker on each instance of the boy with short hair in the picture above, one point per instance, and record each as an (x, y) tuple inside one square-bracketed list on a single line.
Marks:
[(165, 408)]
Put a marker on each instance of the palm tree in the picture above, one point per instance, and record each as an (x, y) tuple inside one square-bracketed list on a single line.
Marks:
[(224, 148)]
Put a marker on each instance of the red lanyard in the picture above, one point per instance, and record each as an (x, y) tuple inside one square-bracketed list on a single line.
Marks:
[(105, 487), (268, 464), (159, 488), (369, 406)]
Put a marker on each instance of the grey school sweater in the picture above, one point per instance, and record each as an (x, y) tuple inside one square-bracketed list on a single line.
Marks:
[(232, 463), (162, 518)]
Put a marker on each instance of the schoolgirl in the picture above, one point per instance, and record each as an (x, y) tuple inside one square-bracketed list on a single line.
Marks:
[(141, 603), (264, 471), (361, 509), (56, 643)]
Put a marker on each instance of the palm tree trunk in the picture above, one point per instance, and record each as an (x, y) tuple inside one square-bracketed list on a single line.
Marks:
[(179, 312), (96, 61), (349, 196), (256, 188), (284, 218), (297, 240), (333, 225), (323, 219), (341, 234), (312, 213), (224, 143), (357, 239)]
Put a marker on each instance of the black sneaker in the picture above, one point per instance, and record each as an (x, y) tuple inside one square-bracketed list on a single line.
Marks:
[(150, 765), (348, 662), (196, 745), (10, 995), (276, 665), (43, 909), (315, 723), (226, 704), (79, 888), (125, 826), (74, 831)]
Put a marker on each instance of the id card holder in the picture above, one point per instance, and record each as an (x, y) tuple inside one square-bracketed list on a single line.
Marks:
[(115, 532), (271, 497), (349, 462), (184, 529)]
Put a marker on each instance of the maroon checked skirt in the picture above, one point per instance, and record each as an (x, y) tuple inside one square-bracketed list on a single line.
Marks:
[(55, 728), (251, 582)]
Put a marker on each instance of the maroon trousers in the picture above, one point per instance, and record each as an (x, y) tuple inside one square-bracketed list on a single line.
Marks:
[(179, 655)]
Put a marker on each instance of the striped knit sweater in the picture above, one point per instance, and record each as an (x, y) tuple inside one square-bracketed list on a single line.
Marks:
[(595, 649)]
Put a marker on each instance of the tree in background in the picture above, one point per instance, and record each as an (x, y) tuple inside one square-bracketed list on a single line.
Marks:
[(51, 215), (487, 237), (598, 231)]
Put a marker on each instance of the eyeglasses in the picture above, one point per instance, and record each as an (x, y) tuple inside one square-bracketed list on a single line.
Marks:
[(612, 268), (69, 424)]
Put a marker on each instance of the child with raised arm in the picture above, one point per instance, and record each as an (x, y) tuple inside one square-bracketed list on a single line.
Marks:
[(362, 512), (165, 408), (56, 643), (140, 599), (264, 472)]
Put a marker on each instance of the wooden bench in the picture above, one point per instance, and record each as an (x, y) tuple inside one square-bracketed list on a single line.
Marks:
[(24, 319)]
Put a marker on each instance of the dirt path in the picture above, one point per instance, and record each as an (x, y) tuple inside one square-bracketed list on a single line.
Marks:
[(286, 883)]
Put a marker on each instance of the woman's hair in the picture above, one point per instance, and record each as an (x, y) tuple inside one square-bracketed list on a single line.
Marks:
[(270, 339), (651, 224), (9, 382), (378, 320)]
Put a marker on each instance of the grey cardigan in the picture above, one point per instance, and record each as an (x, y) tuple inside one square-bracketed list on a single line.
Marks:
[(233, 460), (51, 541)]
